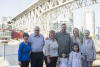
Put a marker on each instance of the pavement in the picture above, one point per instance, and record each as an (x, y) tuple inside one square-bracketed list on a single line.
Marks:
[(97, 62), (11, 56)]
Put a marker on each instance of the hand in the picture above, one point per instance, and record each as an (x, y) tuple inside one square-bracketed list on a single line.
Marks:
[(20, 63), (47, 38), (94, 59)]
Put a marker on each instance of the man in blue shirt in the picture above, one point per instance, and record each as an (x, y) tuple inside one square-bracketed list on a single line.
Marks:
[(37, 43)]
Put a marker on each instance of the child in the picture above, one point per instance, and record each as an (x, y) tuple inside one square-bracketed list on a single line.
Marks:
[(63, 61), (75, 58)]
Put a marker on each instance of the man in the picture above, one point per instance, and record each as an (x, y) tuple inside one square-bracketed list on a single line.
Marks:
[(37, 43), (64, 41)]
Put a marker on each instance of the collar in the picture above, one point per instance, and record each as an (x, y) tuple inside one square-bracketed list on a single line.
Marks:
[(63, 33), (37, 36)]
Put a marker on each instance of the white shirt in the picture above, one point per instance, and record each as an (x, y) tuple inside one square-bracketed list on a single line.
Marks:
[(51, 48), (86, 45), (63, 62)]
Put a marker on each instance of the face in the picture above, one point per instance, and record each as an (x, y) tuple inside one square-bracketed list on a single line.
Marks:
[(26, 38), (36, 31), (52, 35), (63, 28), (75, 48), (76, 32), (86, 35), (63, 55)]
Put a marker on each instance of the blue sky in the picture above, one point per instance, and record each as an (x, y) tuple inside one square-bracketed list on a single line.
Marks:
[(14, 7)]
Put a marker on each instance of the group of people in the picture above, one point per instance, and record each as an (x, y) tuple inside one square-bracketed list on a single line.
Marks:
[(58, 49)]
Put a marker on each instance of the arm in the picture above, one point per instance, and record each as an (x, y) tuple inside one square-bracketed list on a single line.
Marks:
[(82, 56), (94, 50), (47, 48), (47, 51), (71, 44), (70, 59), (20, 52), (58, 61), (43, 41), (56, 36)]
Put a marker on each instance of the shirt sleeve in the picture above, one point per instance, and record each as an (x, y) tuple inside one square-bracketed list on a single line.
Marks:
[(47, 48), (20, 52), (71, 43), (56, 36), (94, 50), (43, 41)]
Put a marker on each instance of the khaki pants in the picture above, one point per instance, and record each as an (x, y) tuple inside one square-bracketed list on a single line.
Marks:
[(87, 63)]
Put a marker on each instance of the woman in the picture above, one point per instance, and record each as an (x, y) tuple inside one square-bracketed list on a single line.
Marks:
[(24, 52), (77, 38), (88, 50), (51, 50)]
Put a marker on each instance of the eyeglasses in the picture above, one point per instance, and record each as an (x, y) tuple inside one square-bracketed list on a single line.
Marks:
[(36, 30)]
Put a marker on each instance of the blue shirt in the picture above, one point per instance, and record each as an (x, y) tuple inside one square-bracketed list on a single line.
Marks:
[(24, 52), (37, 42)]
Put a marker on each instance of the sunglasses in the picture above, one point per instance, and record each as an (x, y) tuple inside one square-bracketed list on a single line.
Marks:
[(36, 30)]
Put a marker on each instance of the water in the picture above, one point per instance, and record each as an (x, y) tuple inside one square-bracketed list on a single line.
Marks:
[(11, 52)]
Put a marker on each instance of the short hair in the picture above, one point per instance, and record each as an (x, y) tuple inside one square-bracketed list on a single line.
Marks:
[(51, 31), (36, 27), (63, 24), (25, 35), (87, 31), (76, 44)]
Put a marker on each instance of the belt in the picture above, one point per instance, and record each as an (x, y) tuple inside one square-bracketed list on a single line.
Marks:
[(37, 52)]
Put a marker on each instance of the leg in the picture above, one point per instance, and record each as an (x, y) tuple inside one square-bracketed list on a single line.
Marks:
[(33, 60), (47, 65), (85, 64), (40, 59), (90, 63), (25, 64), (53, 61)]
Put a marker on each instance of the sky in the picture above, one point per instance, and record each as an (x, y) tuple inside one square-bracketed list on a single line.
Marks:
[(78, 15), (14, 7)]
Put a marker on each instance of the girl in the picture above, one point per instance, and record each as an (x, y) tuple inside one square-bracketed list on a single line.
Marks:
[(63, 61), (75, 58)]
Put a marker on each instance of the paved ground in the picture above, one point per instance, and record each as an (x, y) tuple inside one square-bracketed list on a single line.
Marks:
[(11, 56), (97, 62)]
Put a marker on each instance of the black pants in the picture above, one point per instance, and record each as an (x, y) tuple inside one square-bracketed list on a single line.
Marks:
[(37, 59), (52, 63), (25, 64)]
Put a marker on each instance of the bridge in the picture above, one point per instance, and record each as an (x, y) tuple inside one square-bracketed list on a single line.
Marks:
[(46, 14)]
